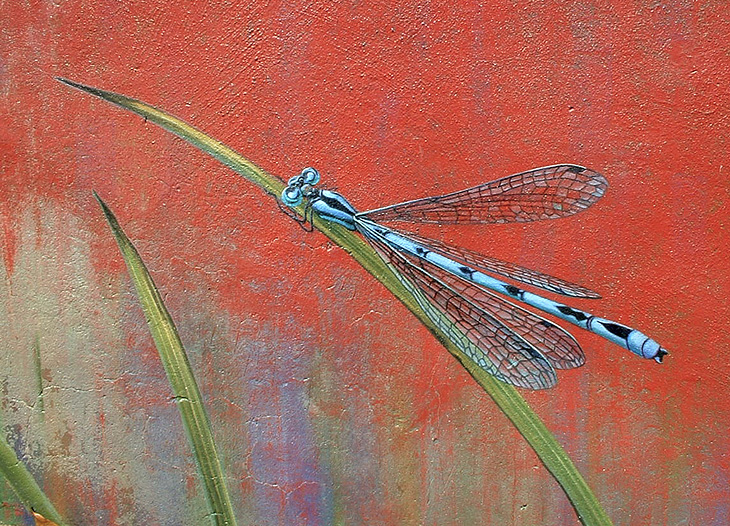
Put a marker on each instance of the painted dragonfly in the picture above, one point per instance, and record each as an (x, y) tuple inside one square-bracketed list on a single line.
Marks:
[(509, 342)]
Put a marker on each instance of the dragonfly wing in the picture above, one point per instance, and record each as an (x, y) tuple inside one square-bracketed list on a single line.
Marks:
[(510, 270), (554, 343), (541, 193), (483, 337)]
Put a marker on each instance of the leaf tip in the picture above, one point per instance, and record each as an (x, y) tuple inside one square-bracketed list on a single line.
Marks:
[(40, 520), (88, 89), (73, 84), (100, 201), (111, 219), (66, 81)]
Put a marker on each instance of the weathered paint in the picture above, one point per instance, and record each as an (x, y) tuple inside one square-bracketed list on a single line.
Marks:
[(329, 401)]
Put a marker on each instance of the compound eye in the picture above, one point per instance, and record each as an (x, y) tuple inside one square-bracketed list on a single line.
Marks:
[(291, 196), (310, 176)]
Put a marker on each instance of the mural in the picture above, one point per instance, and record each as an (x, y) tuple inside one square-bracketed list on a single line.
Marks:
[(328, 398)]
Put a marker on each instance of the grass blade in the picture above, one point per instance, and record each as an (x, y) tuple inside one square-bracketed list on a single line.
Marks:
[(24, 485), (180, 375), (506, 397)]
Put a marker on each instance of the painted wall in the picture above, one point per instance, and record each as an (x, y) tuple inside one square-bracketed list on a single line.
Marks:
[(331, 404)]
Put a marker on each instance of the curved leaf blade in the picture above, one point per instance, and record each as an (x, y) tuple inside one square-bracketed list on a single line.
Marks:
[(24, 485), (506, 397), (180, 375)]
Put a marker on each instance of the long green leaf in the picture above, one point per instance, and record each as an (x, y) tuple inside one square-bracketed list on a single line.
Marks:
[(24, 485), (180, 375), (506, 397)]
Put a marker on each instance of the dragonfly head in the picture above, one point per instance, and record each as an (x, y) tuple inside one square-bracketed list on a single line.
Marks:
[(299, 187), (328, 205)]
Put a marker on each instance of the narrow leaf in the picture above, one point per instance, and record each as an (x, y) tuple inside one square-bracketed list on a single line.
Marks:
[(506, 397), (180, 375), (23, 483)]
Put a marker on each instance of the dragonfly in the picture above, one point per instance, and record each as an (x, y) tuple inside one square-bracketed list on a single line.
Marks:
[(461, 291)]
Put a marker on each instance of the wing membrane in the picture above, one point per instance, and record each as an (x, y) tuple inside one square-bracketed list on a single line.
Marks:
[(542, 193), (482, 336), (553, 342)]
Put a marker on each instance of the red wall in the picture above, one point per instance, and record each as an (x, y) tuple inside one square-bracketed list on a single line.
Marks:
[(331, 403)]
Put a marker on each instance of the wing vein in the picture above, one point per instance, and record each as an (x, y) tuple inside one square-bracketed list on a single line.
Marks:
[(543, 193), (487, 341)]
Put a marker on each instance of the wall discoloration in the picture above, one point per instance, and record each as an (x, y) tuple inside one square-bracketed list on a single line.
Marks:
[(329, 402)]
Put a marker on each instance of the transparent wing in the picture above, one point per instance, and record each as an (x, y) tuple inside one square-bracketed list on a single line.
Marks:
[(542, 193), (553, 342), (510, 270), (489, 342)]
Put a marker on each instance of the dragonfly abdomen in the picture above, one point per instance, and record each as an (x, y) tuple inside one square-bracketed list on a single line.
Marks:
[(628, 338), (635, 341)]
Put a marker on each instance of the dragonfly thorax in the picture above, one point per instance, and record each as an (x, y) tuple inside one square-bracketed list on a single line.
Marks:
[(331, 206)]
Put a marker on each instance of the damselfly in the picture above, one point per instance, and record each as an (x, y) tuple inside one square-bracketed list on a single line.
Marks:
[(453, 286)]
